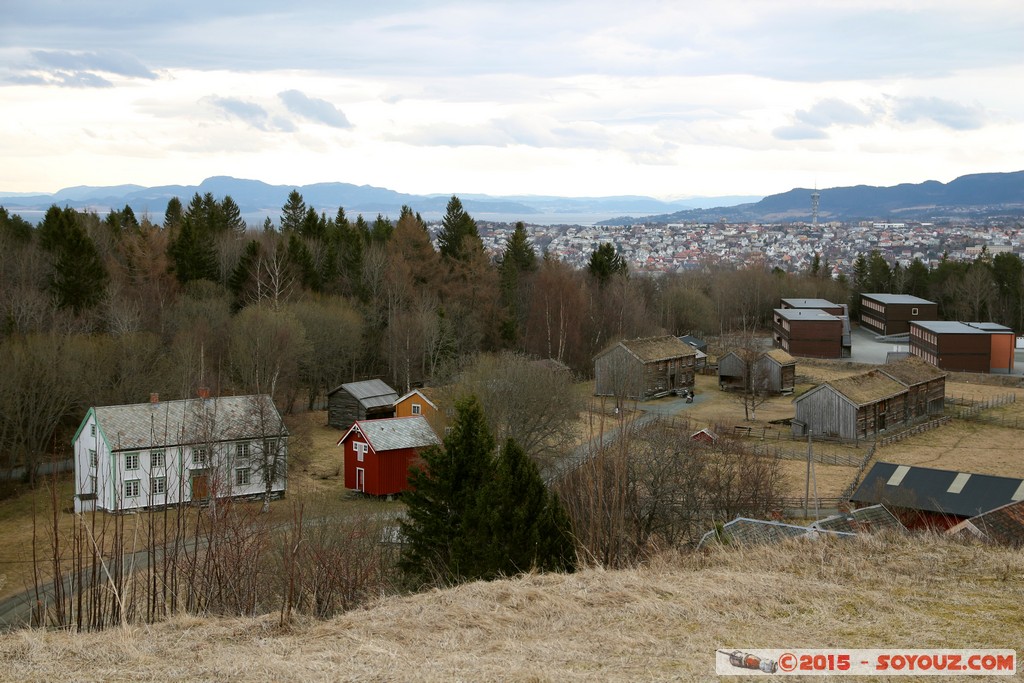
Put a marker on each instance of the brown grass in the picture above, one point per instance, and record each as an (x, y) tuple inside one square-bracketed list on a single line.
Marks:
[(663, 622)]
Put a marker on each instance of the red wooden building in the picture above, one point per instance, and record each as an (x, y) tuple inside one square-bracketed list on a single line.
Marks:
[(378, 453)]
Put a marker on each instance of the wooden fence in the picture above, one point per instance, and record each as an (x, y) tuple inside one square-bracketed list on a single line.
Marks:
[(916, 429), (818, 457), (966, 408)]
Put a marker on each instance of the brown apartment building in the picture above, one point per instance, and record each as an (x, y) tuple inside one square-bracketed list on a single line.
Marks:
[(887, 314), (963, 347), (808, 332)]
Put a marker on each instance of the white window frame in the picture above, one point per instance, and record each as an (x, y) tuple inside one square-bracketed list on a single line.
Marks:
[(132, 488), (158, 486), (361, 450), (131, 461), (200, 458), (913, 311), (157, 459), (243, 452), (417, 409), (243, 476)]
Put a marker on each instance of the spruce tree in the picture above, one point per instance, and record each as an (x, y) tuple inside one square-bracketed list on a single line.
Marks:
[(605, 263), (442, 504), (79, 278), (458, 231)]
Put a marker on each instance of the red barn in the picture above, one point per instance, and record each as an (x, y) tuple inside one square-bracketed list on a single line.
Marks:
[(378, 453)]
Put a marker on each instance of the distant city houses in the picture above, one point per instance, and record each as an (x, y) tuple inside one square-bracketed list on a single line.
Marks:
[(790, 246)]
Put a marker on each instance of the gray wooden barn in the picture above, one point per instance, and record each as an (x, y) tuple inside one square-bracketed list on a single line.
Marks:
[(772, 371), (640, 369), (925, 383), (371, 399), (852, 408)]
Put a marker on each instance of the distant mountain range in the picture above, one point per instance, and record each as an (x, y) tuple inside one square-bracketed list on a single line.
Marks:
[(975, 196), (971, 196), (258, 199)]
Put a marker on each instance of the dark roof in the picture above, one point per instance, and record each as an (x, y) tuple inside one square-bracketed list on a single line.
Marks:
[(194, 420), (371, 393), (897, 299), (912, 371), (944, 491), (1004, 525), (873, 518)]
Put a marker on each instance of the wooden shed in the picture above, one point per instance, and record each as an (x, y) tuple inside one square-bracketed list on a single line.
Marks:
[(378, 453), (925, 383), (852, 408), (773, 371), (644, 368), (371, 399)]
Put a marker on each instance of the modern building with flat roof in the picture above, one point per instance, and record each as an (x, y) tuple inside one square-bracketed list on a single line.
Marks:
[(887, 314), (964, 347), (808, 332)]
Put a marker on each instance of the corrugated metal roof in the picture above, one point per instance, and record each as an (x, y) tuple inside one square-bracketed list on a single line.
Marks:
[(867, 388), (912, 370), (933, 490), (652, 349), (171, 423), (395, 433), (872, 518)]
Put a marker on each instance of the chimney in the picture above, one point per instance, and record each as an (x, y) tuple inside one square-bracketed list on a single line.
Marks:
[(154, 398), (204, 392)]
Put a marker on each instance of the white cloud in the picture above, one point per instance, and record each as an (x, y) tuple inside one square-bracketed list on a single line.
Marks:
[(314, 109)]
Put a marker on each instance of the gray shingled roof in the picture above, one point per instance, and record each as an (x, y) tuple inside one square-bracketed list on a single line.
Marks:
[(398, 432), (371, 393), (172, 423), (872, 518)]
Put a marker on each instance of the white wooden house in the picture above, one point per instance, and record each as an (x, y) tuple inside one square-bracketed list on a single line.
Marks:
[(165, 453)]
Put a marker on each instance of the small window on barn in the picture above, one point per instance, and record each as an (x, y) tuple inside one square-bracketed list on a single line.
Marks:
[(360, 449), (415, 408), (131, 461)]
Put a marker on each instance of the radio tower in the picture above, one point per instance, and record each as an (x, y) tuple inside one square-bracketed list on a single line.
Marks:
[(815, 196)]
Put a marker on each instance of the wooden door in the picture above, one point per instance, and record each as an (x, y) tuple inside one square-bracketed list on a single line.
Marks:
[(360, 479), (200, 485)]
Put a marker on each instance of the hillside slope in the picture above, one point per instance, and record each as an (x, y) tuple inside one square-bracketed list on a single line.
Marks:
[(663, 622)]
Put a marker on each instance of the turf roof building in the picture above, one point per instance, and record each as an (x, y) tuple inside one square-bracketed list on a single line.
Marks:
[(640, 369)]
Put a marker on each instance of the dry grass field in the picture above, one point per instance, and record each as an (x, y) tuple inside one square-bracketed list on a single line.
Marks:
[(660, 622)]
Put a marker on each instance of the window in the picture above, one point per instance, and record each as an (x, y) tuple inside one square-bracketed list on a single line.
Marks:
[(199, 457), (92, 429), (92, 484), (242, 451), (243, 476), (415, 408), (269, 448), (131, 461), (361, 450), (156, 459), (131, 488), (913, 311), (92, 458), (158, 486)]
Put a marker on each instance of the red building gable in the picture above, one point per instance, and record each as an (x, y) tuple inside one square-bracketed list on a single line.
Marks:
[(378, 453)]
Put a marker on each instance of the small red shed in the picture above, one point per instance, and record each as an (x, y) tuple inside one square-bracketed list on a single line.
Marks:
[(378, 453)]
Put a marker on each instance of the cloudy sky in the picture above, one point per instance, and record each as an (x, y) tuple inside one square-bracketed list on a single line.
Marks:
[(589, 98)]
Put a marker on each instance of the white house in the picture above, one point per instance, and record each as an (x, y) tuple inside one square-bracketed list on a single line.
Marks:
[(165, 453)]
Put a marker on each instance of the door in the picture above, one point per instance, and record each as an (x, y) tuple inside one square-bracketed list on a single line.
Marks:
[(200, 485), (360, 479)]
